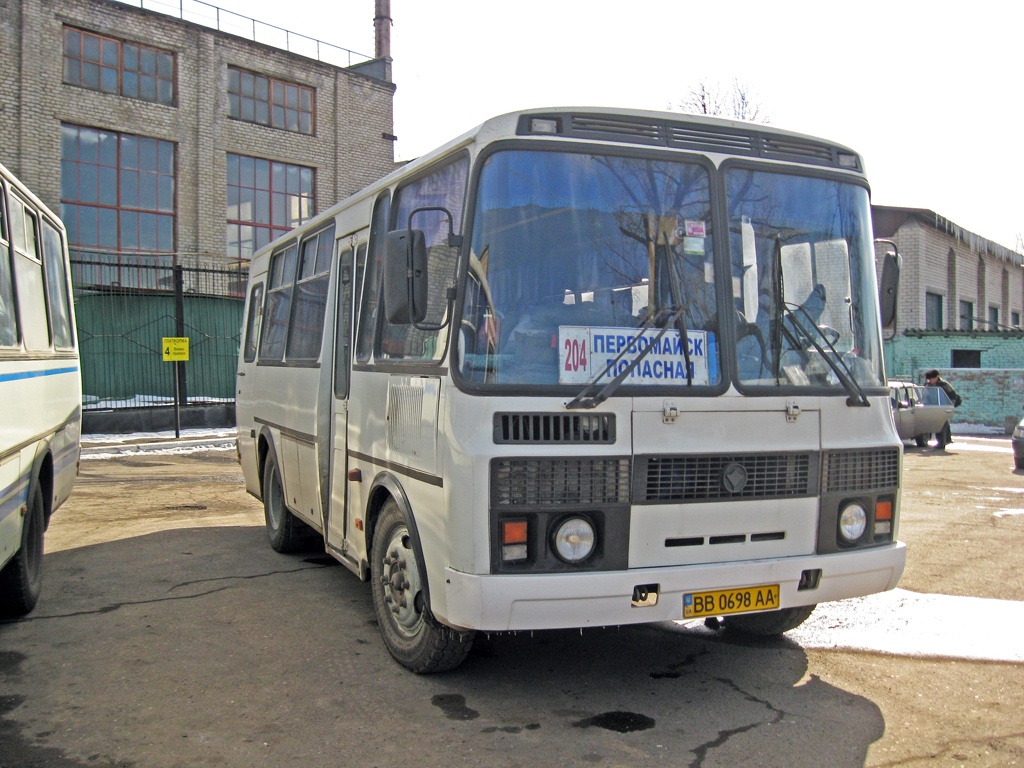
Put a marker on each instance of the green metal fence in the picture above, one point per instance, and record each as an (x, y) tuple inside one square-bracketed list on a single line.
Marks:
[(124, 311)]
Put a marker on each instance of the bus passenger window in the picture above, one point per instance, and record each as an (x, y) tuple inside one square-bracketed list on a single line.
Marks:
[(252, 322), (57, 287), (8, 321), (279, 302), (306, 329)]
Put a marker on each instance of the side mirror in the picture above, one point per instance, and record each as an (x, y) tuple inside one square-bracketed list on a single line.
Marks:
[(405, 276), (888, 289)]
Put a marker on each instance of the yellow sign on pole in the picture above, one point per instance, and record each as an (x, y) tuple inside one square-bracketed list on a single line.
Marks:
[(175, 348)]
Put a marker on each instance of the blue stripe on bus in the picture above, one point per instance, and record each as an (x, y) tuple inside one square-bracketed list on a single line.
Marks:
[(14, 497), (35, 374)]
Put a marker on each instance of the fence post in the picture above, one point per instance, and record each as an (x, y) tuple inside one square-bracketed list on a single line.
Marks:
[(181, 390)]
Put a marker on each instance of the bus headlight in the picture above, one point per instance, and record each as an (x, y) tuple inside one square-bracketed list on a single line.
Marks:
[(574, 539), (853, 521)]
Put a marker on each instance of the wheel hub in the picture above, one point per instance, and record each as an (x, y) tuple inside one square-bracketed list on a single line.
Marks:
[(401, 582)]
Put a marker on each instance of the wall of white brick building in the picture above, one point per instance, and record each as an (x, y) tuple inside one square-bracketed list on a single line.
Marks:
[(353, 141)]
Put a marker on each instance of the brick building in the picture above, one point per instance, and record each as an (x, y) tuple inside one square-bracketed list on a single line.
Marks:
[(154, 135), (173, 149), (961, 302)]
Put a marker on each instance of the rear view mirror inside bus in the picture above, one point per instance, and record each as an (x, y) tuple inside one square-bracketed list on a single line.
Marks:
[(405, 277)]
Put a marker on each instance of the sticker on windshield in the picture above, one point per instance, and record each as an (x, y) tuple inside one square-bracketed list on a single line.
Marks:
[(584, 353)]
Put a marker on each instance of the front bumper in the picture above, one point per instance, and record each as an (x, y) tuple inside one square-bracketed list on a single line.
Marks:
[(496, 603)]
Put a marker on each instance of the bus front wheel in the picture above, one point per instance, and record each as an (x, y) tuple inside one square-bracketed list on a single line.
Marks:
[(21, 580), (769, 623), (412, 635)]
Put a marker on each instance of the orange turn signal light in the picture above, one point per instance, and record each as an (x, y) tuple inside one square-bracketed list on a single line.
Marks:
[(513, 532), (883, 510)]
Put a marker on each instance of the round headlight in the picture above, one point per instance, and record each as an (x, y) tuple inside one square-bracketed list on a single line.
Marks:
[(853, 520), (574, 539)]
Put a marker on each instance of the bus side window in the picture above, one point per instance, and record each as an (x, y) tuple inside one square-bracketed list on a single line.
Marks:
[(306, 329), (445, 188), (279, 301), (371, 282), (56, 277), (252, 322), (28, 276), (8, 317)]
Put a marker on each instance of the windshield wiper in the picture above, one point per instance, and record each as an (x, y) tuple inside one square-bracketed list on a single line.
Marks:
[(835, 361), (582, 400)]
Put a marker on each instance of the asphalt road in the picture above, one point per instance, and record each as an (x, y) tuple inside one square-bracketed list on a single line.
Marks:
[(170, 634)]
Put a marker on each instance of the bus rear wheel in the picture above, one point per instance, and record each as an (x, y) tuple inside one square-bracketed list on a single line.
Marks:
[(21, 580), (286, 532), (412, 635), (770, 623)]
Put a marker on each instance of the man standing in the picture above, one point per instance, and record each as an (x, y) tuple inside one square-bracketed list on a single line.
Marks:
[(932, 379)]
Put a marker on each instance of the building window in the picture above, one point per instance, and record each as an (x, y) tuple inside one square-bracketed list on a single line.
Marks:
[(117, 191), (993, 318), (933, 311), (966, 315), (265, 200), (112, 66), (965, 358), (1015, 319), (264, 100)]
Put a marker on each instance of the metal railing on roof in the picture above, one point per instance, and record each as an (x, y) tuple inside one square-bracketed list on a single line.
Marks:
[(213, 17)]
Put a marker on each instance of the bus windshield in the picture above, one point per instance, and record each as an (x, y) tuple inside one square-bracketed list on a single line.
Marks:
[(803, 280), (578, 257)]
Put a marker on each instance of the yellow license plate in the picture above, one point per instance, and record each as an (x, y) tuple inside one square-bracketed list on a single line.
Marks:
[(697, 605)]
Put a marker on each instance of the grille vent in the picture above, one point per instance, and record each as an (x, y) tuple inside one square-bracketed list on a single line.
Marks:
[(681, 134), (554, 428), (554, 482), (861, 470), (703, 478)]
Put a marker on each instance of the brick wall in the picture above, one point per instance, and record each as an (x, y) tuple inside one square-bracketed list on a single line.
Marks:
[(993, 394), (352, 145)]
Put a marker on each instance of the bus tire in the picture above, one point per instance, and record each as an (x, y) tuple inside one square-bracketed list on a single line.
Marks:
[(412, 635), (770, 623), (922, 439), (21, 580), (286, 532)]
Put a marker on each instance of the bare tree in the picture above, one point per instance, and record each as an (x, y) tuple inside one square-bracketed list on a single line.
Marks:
[(737, 102)]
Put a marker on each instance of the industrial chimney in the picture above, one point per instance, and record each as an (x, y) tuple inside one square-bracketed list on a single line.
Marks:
[(382, 29)]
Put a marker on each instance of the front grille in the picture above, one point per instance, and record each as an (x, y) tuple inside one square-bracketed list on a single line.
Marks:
[(551, 482), (846, 471), (554, 428), (721, 478)]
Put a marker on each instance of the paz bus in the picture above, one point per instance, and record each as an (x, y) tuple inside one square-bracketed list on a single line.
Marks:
[(40, 388), (580, 368)]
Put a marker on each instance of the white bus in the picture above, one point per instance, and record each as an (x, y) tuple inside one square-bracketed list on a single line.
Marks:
[(40, 388), (577, 368)]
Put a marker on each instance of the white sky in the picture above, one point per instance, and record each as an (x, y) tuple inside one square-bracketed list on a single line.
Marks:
[(928, 92)]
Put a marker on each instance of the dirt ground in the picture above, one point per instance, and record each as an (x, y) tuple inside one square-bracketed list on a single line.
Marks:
[(963, 520), (169, 634)]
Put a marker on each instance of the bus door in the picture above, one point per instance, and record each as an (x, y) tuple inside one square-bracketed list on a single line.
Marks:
[(351, 262)]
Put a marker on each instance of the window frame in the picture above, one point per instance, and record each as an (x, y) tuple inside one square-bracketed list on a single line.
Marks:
[(76, 61), (933, 318), (132, 182), (262, 233), (274, 94)]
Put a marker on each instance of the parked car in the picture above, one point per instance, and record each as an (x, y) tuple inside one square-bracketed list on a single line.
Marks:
[(920, 412), (1017, 441)]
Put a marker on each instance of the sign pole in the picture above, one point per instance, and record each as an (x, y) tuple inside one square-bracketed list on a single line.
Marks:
[(177, 405), (175, 350)]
